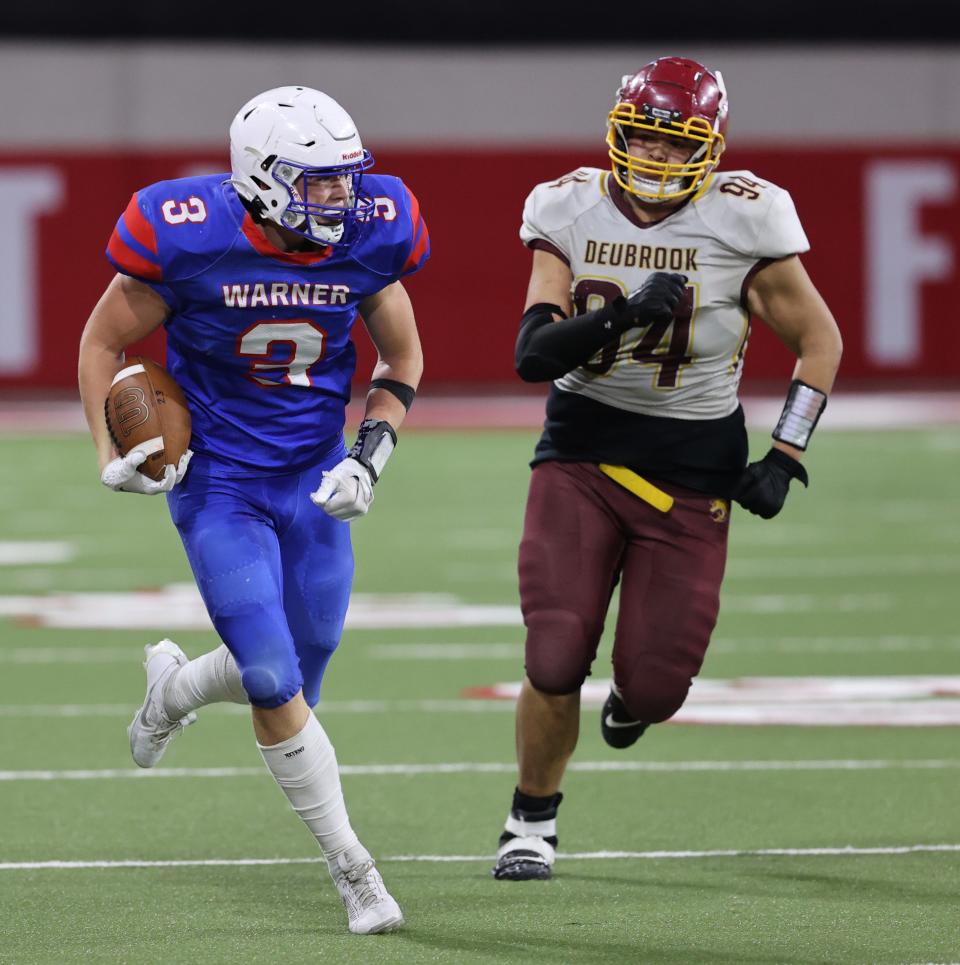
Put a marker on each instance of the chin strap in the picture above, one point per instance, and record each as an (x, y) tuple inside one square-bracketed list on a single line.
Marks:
[(326, 233)]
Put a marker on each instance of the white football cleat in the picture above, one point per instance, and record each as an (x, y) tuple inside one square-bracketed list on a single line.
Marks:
[(370, 907), (151, 730)]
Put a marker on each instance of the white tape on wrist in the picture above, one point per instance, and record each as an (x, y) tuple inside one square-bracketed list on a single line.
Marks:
[(801, 411)]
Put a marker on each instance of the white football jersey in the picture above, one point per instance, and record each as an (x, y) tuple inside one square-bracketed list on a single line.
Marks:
[(688, 368)]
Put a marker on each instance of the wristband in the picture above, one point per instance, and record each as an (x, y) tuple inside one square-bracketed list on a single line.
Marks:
[(405, 393), (801, 411), (376, 440)]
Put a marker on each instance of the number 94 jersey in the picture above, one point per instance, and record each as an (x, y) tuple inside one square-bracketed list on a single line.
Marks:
[(688, 368)]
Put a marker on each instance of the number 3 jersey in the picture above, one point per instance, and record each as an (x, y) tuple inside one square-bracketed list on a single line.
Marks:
[(662, 398), (259, 338)]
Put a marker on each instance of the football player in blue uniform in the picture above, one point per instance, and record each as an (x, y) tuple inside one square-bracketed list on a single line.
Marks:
[(258, 277)]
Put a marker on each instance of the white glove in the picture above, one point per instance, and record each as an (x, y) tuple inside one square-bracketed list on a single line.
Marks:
[(121, 474), (346, 491)]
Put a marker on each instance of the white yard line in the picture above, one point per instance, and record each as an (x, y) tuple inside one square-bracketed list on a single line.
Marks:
[(828, 567), (27, 553), (51, 655), (762, 603), (328, 707), (65, 710), (407, 770), (514, 651), (841, 852), (445, 651), (839, 701), (179, 607), (800, 644)]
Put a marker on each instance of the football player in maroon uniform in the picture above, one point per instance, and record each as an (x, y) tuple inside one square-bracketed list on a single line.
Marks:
[(644, 279)]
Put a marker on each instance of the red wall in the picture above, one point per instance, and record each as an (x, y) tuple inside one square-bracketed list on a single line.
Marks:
[(469, 297)]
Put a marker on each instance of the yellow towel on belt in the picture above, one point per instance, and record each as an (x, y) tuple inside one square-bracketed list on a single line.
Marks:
[(639, 486)]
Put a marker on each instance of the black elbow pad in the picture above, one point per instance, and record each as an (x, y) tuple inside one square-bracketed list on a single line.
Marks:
[(531, 368), (524, 360)]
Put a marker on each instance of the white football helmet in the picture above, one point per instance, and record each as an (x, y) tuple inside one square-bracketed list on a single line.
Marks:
[(281, 139)]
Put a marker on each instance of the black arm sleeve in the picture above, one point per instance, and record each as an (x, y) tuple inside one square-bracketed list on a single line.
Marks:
[(547, 349)]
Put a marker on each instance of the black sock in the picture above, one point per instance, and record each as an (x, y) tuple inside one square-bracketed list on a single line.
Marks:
[(530, 805), (527, 807)]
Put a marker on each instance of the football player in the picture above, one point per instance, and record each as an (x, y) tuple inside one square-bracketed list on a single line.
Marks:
[(644, 280), (258, 277)]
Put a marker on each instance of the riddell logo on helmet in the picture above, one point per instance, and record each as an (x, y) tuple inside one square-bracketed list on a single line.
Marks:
[(351, 155)]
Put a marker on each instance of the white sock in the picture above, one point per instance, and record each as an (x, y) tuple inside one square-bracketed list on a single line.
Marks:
[(305, 767), (213, 678)]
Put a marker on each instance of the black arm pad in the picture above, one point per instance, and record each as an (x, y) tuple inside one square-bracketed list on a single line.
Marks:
[(405, 393), (547, 349)]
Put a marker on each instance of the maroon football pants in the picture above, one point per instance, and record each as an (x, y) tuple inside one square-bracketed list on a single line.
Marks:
[(582, 534)]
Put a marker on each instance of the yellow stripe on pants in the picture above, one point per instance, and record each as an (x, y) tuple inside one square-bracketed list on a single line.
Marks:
[(639, 486)]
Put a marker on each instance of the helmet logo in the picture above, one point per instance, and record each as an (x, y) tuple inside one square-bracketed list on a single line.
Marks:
[(662, 114)]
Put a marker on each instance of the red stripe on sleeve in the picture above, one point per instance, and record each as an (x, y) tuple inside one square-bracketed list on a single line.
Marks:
[(130, 262), (414, 211), (423, 239), (540, 244), (138, 226)]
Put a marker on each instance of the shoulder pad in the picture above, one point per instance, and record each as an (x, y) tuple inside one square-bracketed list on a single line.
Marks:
[(398, 242), (193, 222), (752, 216), (555, 205)]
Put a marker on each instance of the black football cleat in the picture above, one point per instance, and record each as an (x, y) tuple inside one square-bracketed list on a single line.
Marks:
[(617, 727), (525, 859), (528, 844)]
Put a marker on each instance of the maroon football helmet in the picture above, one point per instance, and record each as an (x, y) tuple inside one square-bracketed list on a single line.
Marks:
[(677, 97)]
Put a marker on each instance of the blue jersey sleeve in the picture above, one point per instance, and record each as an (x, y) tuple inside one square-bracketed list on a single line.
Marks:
[(171, 231), (132, 248)]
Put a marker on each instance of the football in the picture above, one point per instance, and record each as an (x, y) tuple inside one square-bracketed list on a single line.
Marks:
[(146, 409)]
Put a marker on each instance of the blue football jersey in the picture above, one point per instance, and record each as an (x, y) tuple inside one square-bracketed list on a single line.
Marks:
[(259, 338)]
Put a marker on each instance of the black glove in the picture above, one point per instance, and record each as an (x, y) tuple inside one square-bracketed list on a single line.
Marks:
[(547, 349), (654, 301), (763, 486)]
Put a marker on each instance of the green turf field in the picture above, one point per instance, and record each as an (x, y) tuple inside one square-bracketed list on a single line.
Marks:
[(857, 578)]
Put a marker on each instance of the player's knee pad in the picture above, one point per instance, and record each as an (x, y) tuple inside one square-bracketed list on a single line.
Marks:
[(265, 655), (559, 650), (269, 686), (654, 693)]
